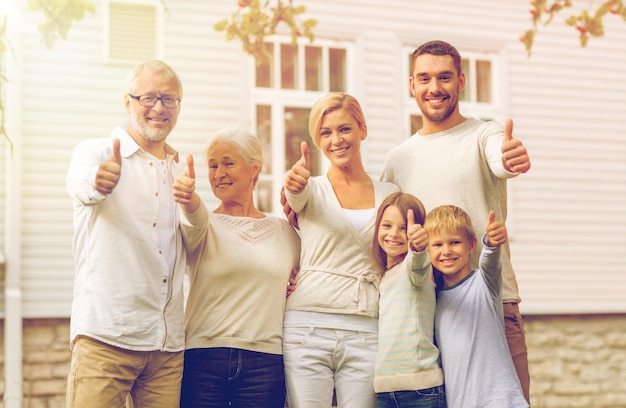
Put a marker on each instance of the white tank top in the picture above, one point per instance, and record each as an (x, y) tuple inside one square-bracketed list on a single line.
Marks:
[(358, 218)]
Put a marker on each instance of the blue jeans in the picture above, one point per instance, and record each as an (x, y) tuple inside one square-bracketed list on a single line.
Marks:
[(427, 398), (227, 377)]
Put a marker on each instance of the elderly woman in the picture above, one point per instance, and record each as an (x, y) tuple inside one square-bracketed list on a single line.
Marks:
[(240, 261)]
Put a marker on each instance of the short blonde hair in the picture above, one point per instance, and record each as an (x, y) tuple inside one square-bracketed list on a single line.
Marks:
[(449, 218), (330, 103)]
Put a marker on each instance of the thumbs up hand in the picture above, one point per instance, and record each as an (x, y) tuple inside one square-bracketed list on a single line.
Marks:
[(109, 171), (184, 188), (189, 170), (496, 231), (514, 155), (416, 234), (297, 178)]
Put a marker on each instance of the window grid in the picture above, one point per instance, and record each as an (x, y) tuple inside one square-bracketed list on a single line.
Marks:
[(287, 97)]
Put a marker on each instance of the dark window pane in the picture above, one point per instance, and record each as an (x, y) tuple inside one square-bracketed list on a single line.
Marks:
[(483, 81), (337, 69), (466, 93), (264, 195), (313, 62), (408, 89), (288, 66), (296, 131), (264, 77), (416, 123), (264, 131)]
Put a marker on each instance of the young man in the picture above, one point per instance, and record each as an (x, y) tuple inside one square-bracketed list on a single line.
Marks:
[(469, 327), (461, 161), (126, 329)]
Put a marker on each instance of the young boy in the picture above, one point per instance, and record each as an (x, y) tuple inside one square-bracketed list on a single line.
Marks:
[(469, 324)]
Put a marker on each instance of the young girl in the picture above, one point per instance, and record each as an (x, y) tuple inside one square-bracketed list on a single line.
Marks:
[(408, 371)]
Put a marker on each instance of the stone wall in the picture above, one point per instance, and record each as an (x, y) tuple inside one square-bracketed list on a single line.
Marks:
[(575, 361), (46, 362)]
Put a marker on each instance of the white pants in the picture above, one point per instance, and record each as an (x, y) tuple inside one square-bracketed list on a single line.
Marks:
[(318, 360)]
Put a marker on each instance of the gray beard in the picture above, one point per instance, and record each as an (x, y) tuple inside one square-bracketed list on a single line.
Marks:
[(153, 135)]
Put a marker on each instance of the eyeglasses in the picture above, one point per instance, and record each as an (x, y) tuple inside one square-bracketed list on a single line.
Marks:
[(150, 101)]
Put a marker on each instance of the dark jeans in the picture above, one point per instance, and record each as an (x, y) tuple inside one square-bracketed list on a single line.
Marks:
[(226, 377), (427, 398)]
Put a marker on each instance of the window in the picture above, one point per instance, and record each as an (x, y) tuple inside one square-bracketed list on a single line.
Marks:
[(132, 30), (285, 88), (478, 99)]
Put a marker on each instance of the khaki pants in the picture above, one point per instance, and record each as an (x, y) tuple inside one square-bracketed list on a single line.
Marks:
[(516, 338), (104, 376)]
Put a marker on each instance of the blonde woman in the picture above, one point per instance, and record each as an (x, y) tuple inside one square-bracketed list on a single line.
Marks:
[(331, 327)]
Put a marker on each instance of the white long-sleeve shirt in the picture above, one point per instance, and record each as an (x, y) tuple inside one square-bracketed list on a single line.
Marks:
[(337, 274), (130, 263)]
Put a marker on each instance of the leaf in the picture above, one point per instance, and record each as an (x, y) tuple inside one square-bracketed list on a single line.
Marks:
[(571, 21), (595, 27), (583, 22), (252, 22), (310, 23), (220, 25), (59, 17), (584, 38), (528, 39)]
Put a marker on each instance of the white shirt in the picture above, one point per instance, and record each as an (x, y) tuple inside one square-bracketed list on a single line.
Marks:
[(126, 293)]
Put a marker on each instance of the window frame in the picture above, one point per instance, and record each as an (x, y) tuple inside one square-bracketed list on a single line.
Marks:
[(279, 99)]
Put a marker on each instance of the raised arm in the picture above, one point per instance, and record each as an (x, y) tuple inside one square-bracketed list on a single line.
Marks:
[(490, 265)]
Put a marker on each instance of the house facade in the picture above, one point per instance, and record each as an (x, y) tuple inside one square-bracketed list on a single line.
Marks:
[(567, 216)]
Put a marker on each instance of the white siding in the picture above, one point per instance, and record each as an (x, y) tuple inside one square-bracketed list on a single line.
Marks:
[(571, 209), (4, 157), (568, 104), (68, 94)]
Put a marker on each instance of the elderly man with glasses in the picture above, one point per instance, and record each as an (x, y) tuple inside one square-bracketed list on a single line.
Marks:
[(127, 334)]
